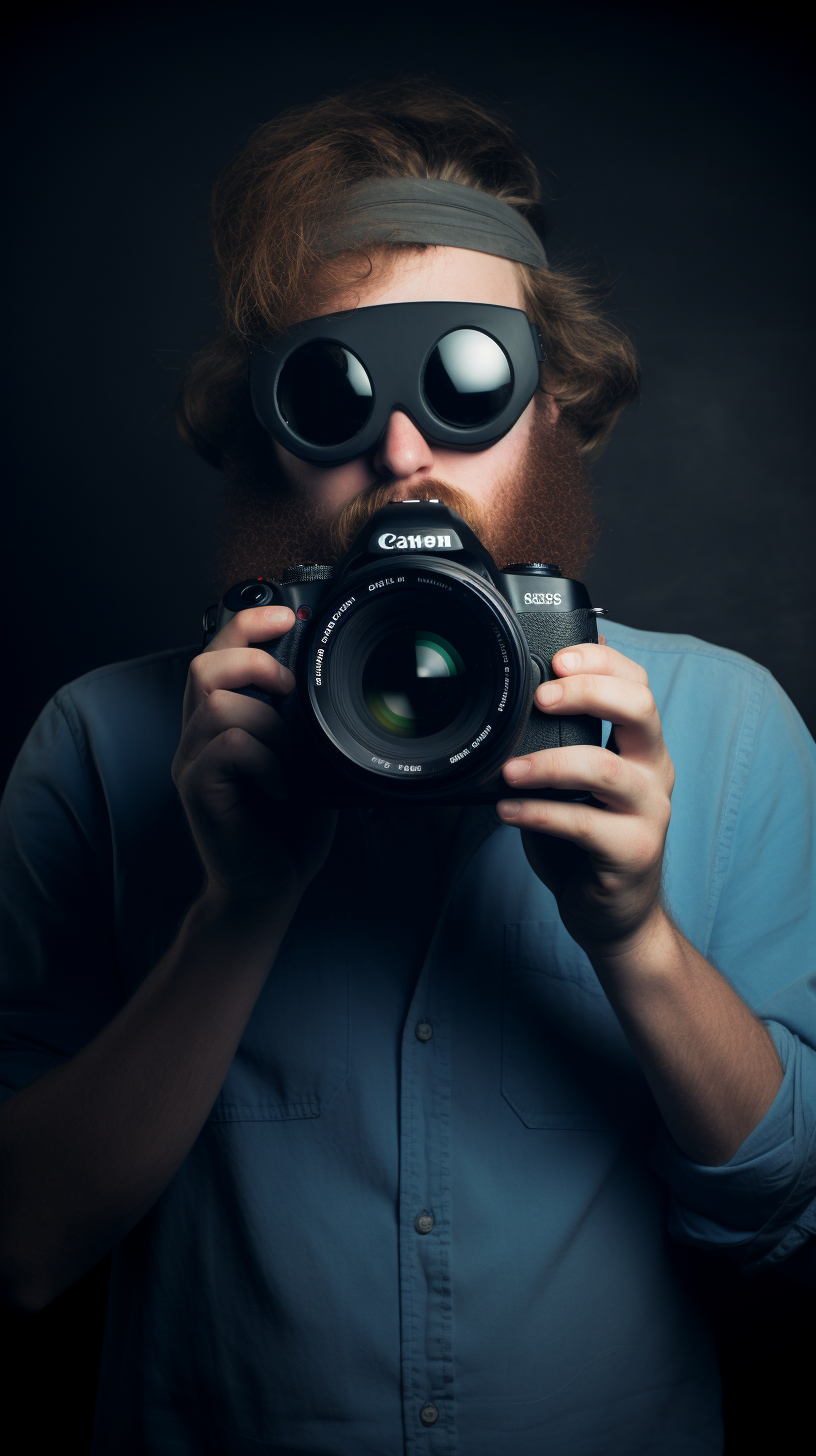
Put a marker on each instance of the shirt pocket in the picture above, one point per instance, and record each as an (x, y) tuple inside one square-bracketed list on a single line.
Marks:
[(294, 1054), (565, 1061)]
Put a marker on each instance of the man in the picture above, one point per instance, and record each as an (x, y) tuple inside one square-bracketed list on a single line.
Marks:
[(381, 1114)]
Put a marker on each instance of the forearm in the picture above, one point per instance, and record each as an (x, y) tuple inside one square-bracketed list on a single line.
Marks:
[(86, 1150), (711, 1065)]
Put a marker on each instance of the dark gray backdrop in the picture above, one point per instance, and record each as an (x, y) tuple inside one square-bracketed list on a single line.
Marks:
[(674, 150), (675, 154)]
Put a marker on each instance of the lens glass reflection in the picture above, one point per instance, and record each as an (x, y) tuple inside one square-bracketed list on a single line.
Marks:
[(324, 393), (414, 683), (468, 378)]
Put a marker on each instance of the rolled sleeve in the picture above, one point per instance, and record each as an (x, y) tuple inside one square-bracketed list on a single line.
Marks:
[(761, 1205)]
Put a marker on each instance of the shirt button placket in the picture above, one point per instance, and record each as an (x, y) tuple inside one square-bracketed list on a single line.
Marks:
[(425, 1238)]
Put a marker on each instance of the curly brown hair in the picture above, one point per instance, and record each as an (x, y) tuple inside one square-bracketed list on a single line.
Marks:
[(268, 209)]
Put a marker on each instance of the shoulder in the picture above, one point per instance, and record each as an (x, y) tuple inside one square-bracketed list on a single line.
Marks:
[(695, 682), (708, 691), (142, 684), (737, 742), (96, 860), (127, 706), (110, 734), (672, 653)]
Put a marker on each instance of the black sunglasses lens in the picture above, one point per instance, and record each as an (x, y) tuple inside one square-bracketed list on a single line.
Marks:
[(468, 379), (324, 393)]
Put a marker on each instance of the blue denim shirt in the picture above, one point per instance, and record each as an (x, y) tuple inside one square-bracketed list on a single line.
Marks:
[(432, 1208)]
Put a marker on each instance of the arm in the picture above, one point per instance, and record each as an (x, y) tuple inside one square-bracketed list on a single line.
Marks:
[(87, 1149), (712, 1067)]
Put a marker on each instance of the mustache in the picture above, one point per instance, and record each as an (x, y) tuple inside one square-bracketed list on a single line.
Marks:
[(540, 510), (350, 519)]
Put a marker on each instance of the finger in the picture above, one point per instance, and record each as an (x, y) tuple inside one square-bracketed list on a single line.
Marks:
[(596, 657), (256, 624), (620, 840), (221, 710), (620, 783), (628, 705), (225, 765), (233, 668)]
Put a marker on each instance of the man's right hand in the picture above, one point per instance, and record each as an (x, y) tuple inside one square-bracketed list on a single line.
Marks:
[(230, 778)]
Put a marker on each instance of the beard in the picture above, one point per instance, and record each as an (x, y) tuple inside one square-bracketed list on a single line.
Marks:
[(542, 511)]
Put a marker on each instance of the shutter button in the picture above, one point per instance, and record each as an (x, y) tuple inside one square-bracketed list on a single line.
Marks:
[(429, 1415), (424, 1031), (423, 1223)]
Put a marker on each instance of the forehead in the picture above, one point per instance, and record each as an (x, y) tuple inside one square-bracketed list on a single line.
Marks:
[(457, 275)]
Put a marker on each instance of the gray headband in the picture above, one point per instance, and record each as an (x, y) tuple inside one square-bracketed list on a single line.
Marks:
[(425, 210)]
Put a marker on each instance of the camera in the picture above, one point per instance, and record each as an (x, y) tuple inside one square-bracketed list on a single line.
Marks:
[(416, 660)]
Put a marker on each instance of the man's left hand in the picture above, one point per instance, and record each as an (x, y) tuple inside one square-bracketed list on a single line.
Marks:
[(606, 876)]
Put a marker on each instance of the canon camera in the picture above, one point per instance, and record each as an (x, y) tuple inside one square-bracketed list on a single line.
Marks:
[(416, 660)]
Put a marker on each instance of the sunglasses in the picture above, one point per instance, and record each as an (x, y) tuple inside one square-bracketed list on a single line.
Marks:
[(463, 372)]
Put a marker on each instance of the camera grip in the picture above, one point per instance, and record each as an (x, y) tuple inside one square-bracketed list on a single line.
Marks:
[(546, 634), (285, 649)]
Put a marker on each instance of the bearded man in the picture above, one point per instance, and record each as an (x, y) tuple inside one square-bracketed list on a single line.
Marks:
[(392, 1119)]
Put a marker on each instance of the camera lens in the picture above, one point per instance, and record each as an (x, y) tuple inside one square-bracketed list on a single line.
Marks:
[(414, 683), (324, 393), (419, 676), (468, 378)]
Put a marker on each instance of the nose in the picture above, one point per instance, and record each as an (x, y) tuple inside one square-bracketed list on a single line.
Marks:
[(402, 451)]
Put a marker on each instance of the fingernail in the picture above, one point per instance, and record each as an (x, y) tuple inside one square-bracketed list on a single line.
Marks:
[(570, 661), (516, 769), (549, 693), (277, 614), (508, 808), (287, 678)]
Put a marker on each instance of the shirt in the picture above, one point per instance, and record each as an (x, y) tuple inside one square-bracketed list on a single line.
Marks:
[(433, 1208)]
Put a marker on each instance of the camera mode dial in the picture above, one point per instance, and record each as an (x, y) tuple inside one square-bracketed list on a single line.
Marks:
[(534, 568)]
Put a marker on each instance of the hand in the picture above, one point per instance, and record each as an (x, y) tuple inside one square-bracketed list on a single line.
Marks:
[(230, 778), (605, 871)]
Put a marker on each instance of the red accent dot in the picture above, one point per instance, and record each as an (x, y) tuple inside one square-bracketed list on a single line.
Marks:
[(303, 614)]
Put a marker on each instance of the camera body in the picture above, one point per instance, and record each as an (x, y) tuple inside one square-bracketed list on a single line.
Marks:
[(416, 660)]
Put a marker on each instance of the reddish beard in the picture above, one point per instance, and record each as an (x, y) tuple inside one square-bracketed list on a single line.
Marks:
[(543, 511)]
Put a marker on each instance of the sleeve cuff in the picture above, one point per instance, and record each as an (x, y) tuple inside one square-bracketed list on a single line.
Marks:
[(761, 1204)]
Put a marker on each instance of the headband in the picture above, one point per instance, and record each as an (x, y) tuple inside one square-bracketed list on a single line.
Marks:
[(426, 210)]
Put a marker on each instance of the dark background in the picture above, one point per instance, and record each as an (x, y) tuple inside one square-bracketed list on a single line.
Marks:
[(675, 150)]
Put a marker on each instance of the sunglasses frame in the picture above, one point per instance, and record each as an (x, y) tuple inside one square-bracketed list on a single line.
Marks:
[(397, 373)]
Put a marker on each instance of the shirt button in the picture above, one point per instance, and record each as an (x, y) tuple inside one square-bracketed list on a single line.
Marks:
[(423, 1223), (424, 1031), (429, 1415)]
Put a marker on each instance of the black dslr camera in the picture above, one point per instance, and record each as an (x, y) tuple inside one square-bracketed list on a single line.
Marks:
[(416, 661)]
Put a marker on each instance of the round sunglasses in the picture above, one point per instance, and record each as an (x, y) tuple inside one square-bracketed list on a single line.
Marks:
[(463, 372)]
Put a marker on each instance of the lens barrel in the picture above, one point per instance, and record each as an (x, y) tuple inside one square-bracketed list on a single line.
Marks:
[(417, 672)]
